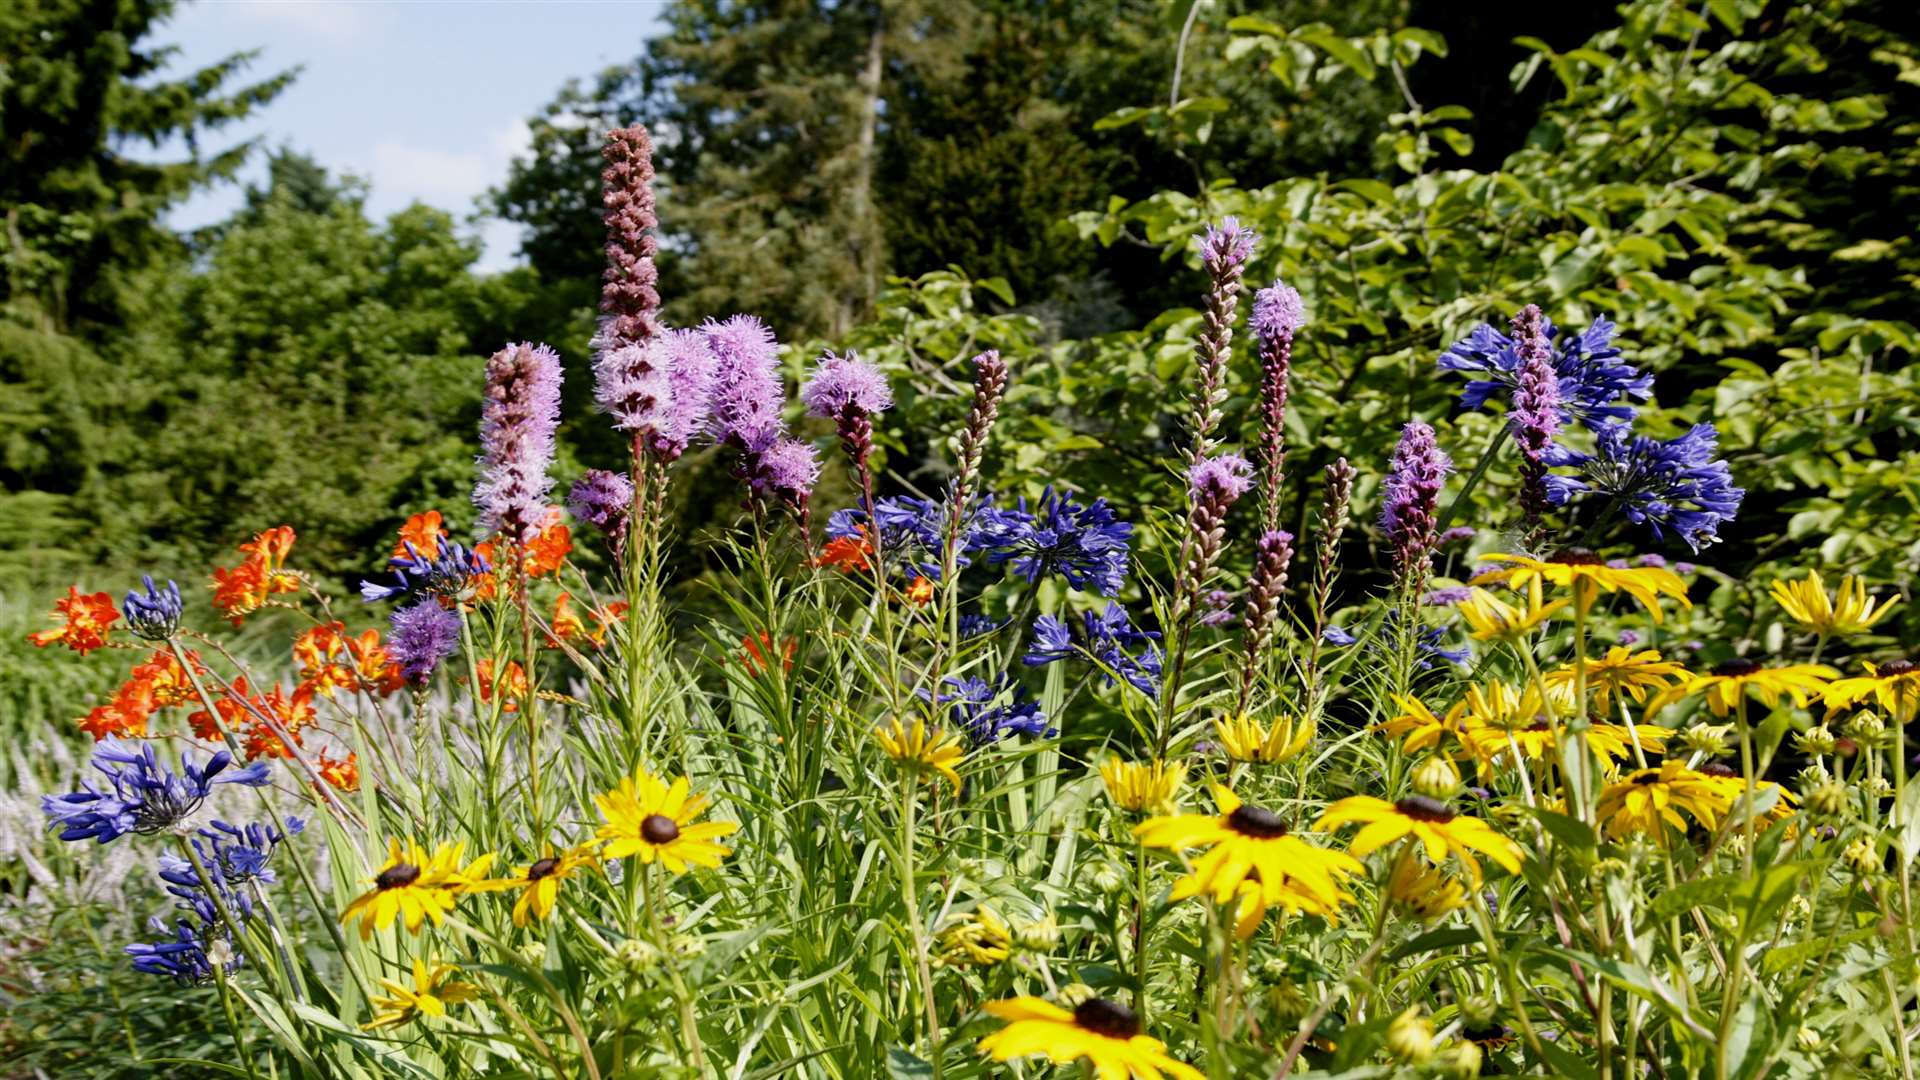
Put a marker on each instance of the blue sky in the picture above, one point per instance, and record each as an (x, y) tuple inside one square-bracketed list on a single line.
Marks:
[(425, 99)]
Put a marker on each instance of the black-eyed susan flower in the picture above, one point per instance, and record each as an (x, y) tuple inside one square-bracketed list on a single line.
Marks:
[(1848, 611), (1588, 576), (922, 749), (1429, 821), (647, 817), (432, 991), (1136, 786), (1247, 739), (1733, 786), (1621, 674), (1732, 681), (1105, 1033), (1490, 618), (416, 886), (980, 938), (1894, 686), (1424, 891), (539, 882), (1419, 728), (1647, 801), (1245, 841)]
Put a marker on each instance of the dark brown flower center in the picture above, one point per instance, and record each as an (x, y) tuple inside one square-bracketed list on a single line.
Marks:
[(1257, 823), (1736, 667), (1539, 724), (1715, 768), (1424, 808), (542, 868), (1897, 667), (1109, 1018), (659, 829), (397, 875), (1576, 556), (1651, 776)]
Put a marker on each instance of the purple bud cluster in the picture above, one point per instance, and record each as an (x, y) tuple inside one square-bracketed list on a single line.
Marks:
[(1277, 315), (629, 297), (1412, 487)]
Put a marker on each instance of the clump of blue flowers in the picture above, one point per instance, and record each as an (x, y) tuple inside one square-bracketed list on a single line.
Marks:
[(1083, 543), (235, 858), (1593, 379), (1673, 486), (1108, 638), (155, 613), (446, 573), (145, 796), (989, 711)]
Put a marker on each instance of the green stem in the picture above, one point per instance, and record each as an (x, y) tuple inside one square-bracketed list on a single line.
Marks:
[(689, 1022), (1473, 478), (910, 896)]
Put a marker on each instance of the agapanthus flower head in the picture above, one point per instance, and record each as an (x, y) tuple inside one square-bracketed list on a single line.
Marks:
[(449, 572), (1410, 491), (989, 711), (1277, 312), (1220, 479), (1083, 543), (145, 796), (1595, 384), (746, 393), (184, 956), (1226, 247), (1107, 637), (155, 613), (518, 416), (423, 634), (788, 469), (846, 384), (236, 860), (1673, 486), (912, 531)]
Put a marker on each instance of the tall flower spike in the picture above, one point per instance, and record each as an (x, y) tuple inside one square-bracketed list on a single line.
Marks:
[(1535, 418), (787, 471), (602, 499), (746, 394), (1213, 485), (518, 416), (989, 386), (1272, 553), (628, 296), (423, 634), (1277, 315), (1224, 252), (1412, 486), (848, 391)]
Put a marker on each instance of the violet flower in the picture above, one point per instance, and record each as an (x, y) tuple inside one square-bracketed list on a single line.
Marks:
[(1411, 489), (629, 297), (422, 635), (746, 393), (518, 416), (602, 499)]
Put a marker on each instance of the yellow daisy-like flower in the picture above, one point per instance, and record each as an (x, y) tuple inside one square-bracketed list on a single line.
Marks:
[(980, 938), (1250, 843), (1733, 680), (539, 882), (1247, 739), (1894, 685), (1589, 576), (1430, 821), (1424, 891), (1614, 742), (1621, 673), (1105, 1033), (1490, 617), (1848, 611), (416, 886), (1734, 787), (647, 817), (922, 749), (1646, 801), (429, 995), (1136, 786), (1421, 728)]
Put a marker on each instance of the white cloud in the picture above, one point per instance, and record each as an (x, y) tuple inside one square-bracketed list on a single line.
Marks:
[(447, 177)]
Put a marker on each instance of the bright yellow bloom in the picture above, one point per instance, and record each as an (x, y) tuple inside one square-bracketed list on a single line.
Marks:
[(1733, 787), (1142, 786), (1588, 576), (1614, 742), (980, 938), (1423, 891), (1423, 730), (1105, 1033), (1732, 680), (416, 886), (1847, 612), (1491, 617), (1250, 843), (1621, 673), (922, 749), (1646, 801), (1430, 821), (1246, 739), (646, 817), (1895, 685), (539, 882), (429, 995)]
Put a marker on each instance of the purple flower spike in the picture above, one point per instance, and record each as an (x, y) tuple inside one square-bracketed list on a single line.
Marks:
[(423, 635), (658, 390), (1226, 247), (1219, 480), (628, 295), (846, 384), (746, 392), (1277, 312), (1412, 486), (517, 420), (601, 499), (787, 469)]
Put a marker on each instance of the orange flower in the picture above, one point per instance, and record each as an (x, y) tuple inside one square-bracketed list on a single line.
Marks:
[(321, 652), (514, 680), (290, 712), (920, 591), (246, 587), (484, 586), (548, 550), (342, 774), (376, 672), (168, 680), (423, 531), (847, 554), (604, 618), (126, 715), (568, 626), (759, 647), (86, 620)]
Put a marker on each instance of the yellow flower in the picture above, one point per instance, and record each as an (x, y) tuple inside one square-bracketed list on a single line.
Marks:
[(1251, 843), (1647, 800), (1588, 576), (1621, 673), (1733, 787), (1613, 742), (1430, 821), (922, 749), (429, 995), (1246, 739), (1105, 1033), (1136, 786), (1491, 617), (1423, 891), (416, 886), (1847, 612), (539, 882), (1895, 685), (1423, 730), (646, 817), (980, 938), (1732, 680)]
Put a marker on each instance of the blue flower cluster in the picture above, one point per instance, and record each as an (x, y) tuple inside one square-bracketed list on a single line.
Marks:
[(446, 574), (155, 613), (236, 861), (1082, 543), (1669, 486), (146, 796), (1108, 638), (1593, 378), (990, 711), (1430, 643)]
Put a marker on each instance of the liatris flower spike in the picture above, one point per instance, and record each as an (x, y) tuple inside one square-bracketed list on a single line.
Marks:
[(1412, 486), (1596, 387), (423, 635), (602, 499), (155, 614), (1535, 418), (746, 393), (518, 416), (1224, 252), (628, 297), (850, 392), (147, 797), (1277, 316)]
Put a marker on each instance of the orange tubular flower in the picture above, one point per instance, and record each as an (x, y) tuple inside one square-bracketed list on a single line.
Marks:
[(759, 647), (377, 674), (423, 531), (847, 554), (920, 591), (126, 715), (246, 587), (341, 774), (321, 652), (85, 621), (548, 551), (168, 680), (290, 713), (513, 680)]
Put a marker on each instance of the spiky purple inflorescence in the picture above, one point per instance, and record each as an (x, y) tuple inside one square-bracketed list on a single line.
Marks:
[(1277, 316), (629, 298), (1226, 247), (602, 499), (1220, 480), (1535, 417), (423, 634), (746, 395), (788, 470), (990, 377), (1278, 313), (1272, 552), (1675, 485), (518, 416), (658, 390), (1412, 486), (849, 391), (1224, 251)]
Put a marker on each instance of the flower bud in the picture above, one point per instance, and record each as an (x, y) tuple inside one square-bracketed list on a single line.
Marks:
[(1109, 878), (1816, 741), (1436, 778), (1864, 728), (1410, 1036), (1041, 935), (637, 955), (1460, 1061), (1862, 856), (1074, 995), (1807, 1039), (1286, 1004), (1829, 800), (1707, 740), (534, 952), (1478, 1011)]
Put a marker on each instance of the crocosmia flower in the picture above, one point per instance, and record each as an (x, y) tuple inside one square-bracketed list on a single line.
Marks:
[(85, 621)]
